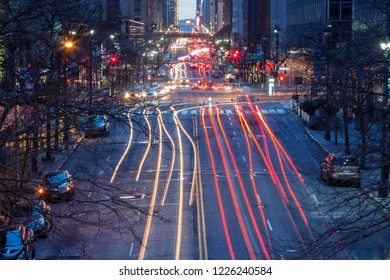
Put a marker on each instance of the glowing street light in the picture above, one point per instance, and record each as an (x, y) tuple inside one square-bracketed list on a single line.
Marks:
[(68, 44)]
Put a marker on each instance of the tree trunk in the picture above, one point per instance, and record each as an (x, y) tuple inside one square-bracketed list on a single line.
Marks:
[(385, 154)]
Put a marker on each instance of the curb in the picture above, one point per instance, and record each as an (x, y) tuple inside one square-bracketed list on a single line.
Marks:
[(70, 152)]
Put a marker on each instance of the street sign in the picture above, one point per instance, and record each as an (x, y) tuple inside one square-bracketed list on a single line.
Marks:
[(253, 56)]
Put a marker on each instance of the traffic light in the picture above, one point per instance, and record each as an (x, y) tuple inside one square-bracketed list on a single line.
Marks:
[(235, 55), (113, 59)]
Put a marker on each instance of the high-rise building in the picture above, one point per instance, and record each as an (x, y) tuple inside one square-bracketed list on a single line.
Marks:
[(250, 22), (169, 13)]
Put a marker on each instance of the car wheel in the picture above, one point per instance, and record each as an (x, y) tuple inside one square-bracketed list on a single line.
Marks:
[(328, 180)]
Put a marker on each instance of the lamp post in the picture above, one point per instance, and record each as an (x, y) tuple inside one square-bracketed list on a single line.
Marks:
[(273, 81), (277, 31), (383, 190)]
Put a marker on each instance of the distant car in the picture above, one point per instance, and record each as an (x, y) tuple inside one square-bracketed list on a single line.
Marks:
[(57, 185), (17, 244), (210, 104), (161, 73), (184, 81), (97, 125), (343, 169), (195, 86), (33, 215)]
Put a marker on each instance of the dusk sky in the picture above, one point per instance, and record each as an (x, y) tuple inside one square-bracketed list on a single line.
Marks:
[(187, 9)]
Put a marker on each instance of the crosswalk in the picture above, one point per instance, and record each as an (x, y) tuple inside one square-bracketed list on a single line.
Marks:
[(229, 111), (197, 112)]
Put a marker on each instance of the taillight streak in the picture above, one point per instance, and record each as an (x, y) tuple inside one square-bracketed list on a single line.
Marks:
[(253, 182), (279, 147), (268, 164), (218, 192), (243, 191), (232, 192)]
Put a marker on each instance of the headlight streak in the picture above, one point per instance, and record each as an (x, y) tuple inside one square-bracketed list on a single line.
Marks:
[(181, 195), (147, 148), (218, 192), (173, 156), (253, 182), (194, 186), (243, 191), (149, 218), (241, 222), (195, 172), (126, 150)]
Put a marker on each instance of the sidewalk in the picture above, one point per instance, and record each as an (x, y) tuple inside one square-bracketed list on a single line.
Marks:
[(59, 157), (370, 175)]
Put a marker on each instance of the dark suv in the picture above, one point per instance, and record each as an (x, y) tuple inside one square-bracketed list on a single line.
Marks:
[(57, 185), (342, 169)]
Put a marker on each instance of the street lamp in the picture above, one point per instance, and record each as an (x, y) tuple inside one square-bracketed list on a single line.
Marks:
[(277, 31)]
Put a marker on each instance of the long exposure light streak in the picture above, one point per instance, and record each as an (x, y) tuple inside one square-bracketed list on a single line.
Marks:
[(195, 167), (253, 183), (243, 191), (147, 148), (173, 156), (126, 150), (149, 217), (218, 192), (279, 186), (236, 206), (179, 228)]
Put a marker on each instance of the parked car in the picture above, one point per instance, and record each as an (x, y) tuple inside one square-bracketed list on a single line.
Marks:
[(57, 185), (17, 244), (343, 169), (33, 215), (97, 125)]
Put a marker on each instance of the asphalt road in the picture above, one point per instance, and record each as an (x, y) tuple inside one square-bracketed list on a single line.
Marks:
[(179, 182)]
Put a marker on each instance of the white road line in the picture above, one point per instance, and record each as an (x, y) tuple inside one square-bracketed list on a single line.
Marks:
[(315, 198), (269, 225), (131, 249)]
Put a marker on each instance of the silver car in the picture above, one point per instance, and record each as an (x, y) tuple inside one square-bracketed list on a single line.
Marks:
[(344, 169)]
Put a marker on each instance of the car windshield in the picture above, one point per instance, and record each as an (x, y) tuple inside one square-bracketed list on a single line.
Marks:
[(55, 178), (95, 120), (10, 239)]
